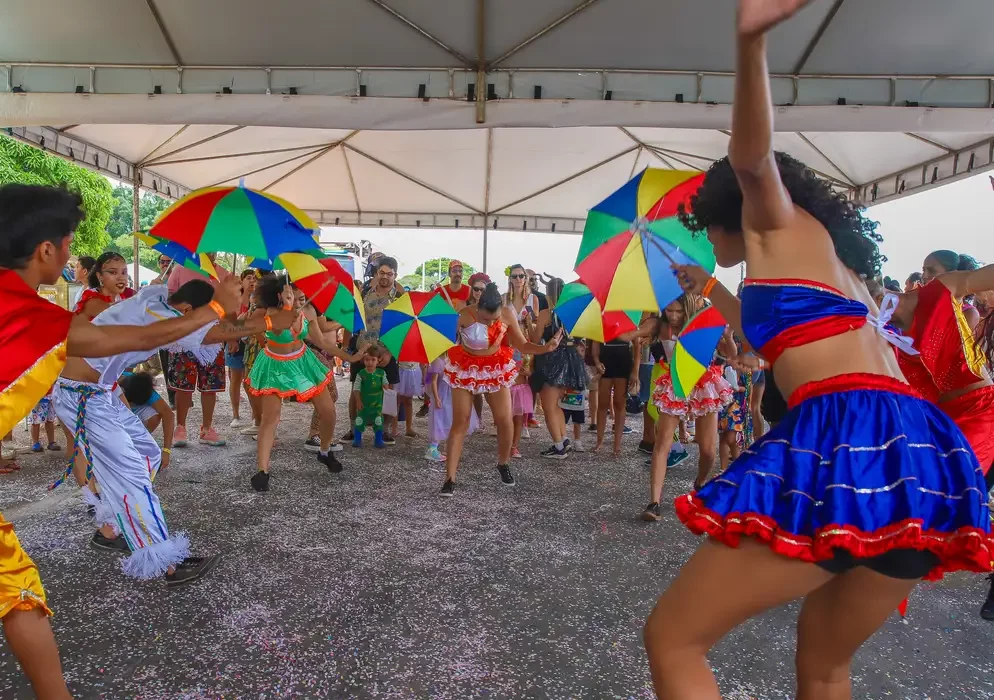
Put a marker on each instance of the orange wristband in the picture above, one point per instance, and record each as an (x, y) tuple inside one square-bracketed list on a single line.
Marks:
[(217, 308), (269, 323), (708, 288)]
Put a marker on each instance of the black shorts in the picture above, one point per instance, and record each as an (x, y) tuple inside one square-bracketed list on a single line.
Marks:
[(617, 361), (575, 417), (392, 370), (905, 564)]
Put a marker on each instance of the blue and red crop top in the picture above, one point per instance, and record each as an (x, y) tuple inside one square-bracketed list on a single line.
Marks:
[(778, 314)]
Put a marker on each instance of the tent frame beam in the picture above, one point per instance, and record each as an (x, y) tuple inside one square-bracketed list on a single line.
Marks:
[(840, 171), (819, 33), (264, 168), (540, 33), (411, 178), (243, 154), (163, 144), (158, 159), (163, 31), (423, 32), (570, 178), (930, 142)]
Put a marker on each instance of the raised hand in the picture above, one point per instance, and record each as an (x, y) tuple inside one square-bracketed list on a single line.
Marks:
[(556, 339), (760, 16), (692, 278)]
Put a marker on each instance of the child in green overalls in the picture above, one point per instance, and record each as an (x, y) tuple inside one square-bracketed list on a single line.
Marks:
[(369, 386)]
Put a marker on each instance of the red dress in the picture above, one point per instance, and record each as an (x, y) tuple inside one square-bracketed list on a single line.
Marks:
[(482, 374), (950, 360), (86, 296)]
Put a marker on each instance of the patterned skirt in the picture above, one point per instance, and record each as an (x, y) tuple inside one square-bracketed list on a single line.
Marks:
[(480, 375), (710, 394), (860, 464)]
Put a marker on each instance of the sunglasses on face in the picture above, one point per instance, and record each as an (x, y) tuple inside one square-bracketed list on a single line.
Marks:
[(478, 289), (517, 277)]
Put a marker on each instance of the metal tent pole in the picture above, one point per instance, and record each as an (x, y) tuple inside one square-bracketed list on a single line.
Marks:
[(135, 220)]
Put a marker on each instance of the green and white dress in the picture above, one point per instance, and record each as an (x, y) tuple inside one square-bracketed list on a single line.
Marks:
[(298, 374)]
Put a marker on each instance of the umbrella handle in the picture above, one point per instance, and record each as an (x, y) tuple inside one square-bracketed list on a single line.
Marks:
[(663, 250), (319, 290)]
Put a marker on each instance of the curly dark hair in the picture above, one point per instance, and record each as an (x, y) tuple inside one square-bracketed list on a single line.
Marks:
[(719, 203)]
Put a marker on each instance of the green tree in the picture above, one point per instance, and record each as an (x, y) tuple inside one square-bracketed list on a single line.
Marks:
[(27, 165), (120, 226), (435, 270)]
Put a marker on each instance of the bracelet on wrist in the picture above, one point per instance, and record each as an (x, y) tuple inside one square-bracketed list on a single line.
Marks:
[(217, 308), (167, 450), (709, 287)]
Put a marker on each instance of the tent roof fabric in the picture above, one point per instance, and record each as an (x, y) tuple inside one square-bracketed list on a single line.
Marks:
[(374, 112)]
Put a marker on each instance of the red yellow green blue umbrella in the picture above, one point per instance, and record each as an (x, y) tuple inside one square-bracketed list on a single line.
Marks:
[(418, 327), (198, 262), (632, 238), (694, 350), (236, 220), (582, 316), (328, 287)]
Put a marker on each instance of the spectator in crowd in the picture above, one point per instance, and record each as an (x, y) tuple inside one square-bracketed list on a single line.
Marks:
[(185, 374)]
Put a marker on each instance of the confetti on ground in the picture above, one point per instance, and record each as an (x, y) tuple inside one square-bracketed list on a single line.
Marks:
[(367, 584)]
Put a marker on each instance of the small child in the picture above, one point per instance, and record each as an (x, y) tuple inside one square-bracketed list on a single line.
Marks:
[(411, 385), (573, 404), (522, 403), (731, 422), (440, 410), (145, 402), (44, 412), (368, 388)]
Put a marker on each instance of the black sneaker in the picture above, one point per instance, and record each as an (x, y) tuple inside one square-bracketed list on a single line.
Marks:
[(192, 568), (645, 447), (592, 428), (91, 511), (568, 445), (423, 411), (448, 488), (553, 453), (388, 439), (331, 461), (987, 609), (674, 459), (348, 437), (312, 444), (652, 513), (260, 482), (505, 475), (118, 545)]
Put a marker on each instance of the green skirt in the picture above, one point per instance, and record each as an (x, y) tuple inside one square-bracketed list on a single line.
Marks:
[(299, 374)]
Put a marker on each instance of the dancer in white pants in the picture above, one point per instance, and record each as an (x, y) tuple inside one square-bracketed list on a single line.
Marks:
[(123, 456)]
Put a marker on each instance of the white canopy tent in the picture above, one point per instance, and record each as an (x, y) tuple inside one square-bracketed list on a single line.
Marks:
[(437, 113)]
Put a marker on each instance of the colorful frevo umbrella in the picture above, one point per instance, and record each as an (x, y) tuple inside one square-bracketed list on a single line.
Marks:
[(276, 263), (328, 287), (198, 262), (694, 350), (418, 327), (632, 238), (582, 317), (236, 220)]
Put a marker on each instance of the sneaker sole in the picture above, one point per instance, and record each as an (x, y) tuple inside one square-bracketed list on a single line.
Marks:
[(313, 448), (556, 456), (219, 443), (651, 517), (209, 566), (446, 495)]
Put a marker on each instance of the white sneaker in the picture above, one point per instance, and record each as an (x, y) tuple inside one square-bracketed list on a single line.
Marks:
[(336, 447), (578, 446), (525, 433), (13, 449), (251, 430), (237, 423)]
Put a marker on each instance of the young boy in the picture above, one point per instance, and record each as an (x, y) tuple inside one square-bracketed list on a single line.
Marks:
[(368, 389), (573, 403), (151, 409), (43, 413)]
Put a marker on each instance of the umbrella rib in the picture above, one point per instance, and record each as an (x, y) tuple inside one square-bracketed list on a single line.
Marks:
[(413, 179)]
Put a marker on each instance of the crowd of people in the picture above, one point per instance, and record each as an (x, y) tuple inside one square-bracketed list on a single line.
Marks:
[(844, 427)]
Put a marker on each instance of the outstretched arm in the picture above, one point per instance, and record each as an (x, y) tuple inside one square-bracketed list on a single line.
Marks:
[(88, 340), (232, 329), (518, 340), (766, 204), (694, 278), (966, 282)]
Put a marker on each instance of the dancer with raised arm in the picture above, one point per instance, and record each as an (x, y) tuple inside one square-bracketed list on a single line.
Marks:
[(482, 364), (863, 488), (38, 224)]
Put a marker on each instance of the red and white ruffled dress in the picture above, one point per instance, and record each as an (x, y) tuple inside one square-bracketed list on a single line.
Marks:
[(480, 374), (710, 394)]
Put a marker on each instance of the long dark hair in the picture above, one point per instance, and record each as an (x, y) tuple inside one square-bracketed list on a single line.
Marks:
[(985, 339), (953, 261), (491, 299), (92, 281)]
